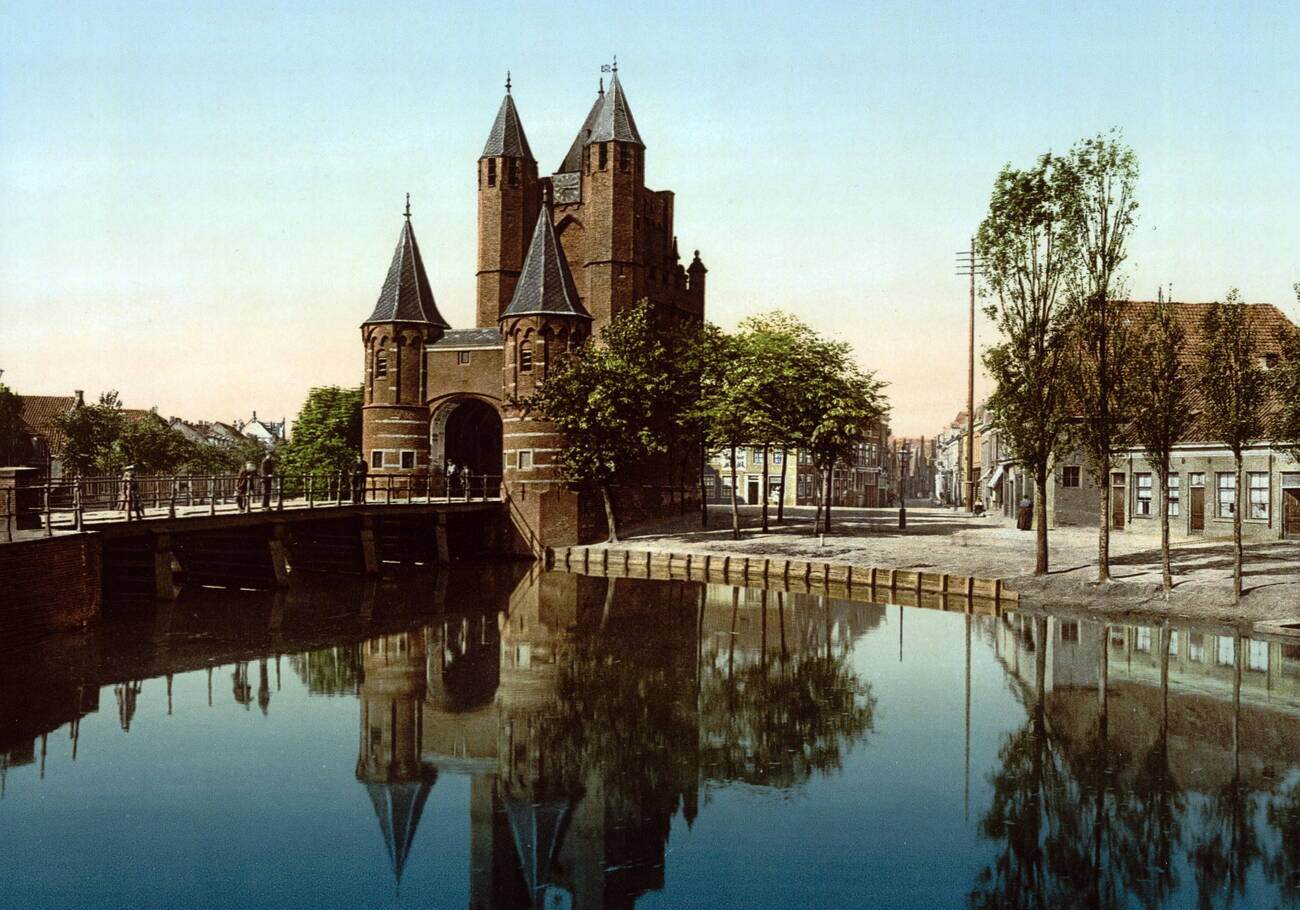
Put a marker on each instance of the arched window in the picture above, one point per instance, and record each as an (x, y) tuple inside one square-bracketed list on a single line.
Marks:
[(381, 359), (526, 356)]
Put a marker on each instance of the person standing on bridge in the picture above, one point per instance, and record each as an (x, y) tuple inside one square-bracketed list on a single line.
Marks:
[(359, 472), (131, 491), (268, 473), (243, 485)]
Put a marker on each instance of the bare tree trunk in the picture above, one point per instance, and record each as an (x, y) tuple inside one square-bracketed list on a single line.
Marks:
[(1040, 506), (780, 504), (1103, 527), (610, 518), (817, 497), (1166, 576), (1236, 534), (767, 453), (704, 496), (735, 508)]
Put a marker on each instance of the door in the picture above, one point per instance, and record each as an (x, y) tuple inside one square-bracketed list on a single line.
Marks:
[(753, 491), (1291, 513), (1197, 509), (1117, 501)]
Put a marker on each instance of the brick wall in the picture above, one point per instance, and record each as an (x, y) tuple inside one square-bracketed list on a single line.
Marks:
[(49, 584)]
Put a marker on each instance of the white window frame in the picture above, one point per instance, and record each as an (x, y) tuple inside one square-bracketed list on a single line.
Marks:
[(740, 457), (1143, 640), (1175, 497), (1225, 651), (1257, 655), (526, 460), (1142, 489), (377, 459), (463, 358), (1225, 482), (1265, 502), (1066, 476), (401, 459)]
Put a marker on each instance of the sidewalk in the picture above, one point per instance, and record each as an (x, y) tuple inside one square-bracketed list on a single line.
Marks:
[(939, 539)]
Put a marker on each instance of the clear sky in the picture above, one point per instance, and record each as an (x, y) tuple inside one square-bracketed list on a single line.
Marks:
[(198, 202)]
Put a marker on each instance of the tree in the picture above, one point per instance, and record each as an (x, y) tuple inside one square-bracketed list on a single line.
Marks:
[(222, 457), (91, 431), (327, 434), (1161, 406), (1286, 390), (1099, 177), (151, 445), (1029, 255), (726, 408), (15, 441), (851, 402), (699, 352), (608, 399), (1233, 387)]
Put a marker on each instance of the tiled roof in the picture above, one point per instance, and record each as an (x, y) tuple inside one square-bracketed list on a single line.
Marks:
[(545, 283), (573, 160), (507, 138), (614, 121), (470, 338), (406, 295), (39, 413)]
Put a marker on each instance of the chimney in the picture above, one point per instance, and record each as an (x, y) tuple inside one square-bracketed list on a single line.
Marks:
[(79, 398)]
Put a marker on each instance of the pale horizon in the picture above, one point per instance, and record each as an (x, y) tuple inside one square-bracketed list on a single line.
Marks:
[(200, 208)]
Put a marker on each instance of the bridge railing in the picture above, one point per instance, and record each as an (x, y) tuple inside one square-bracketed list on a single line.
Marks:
[(66, 503)]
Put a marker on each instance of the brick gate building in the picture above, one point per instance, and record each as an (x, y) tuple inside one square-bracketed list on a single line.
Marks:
[(558, 258)]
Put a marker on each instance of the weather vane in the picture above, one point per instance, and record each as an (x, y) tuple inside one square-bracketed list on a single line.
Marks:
[(610, 67), (507, 82), (408, 206)]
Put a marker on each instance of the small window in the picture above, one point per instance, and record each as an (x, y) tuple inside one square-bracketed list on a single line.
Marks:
[(526, 357), (408, 460), (1227, 490), (777, 457), (1257, 485), (462, 357), (525, 459), (377, 458), (758, 456), (1143, 642), (1196, 646), (1069, 632), (604, 155), (1142, 489), (1257, 655), (1070, 475), (381, 364), (492, 172), (514, 172), (1196, 479), (1174, 500), (740, 458), (1227, 650)]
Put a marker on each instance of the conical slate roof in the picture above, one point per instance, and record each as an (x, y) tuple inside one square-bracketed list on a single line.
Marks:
[(573, 160), (507, 139), (398, 807), (545, 282), (406, 295), (614, 122), (538, 830)]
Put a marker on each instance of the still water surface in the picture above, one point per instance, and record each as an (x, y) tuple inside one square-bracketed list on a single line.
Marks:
[(500, 738)]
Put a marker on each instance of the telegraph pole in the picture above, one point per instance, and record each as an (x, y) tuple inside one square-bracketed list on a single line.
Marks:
[(968, 264)]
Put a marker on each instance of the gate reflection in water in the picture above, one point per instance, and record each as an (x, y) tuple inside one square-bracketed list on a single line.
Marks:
[(504, 738)]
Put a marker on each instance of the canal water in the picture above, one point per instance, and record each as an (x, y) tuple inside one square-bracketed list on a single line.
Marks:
[(492, 738)]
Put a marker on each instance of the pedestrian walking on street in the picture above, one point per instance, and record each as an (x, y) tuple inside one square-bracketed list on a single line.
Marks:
[(268, 473), (1025, 514), (359, 472)]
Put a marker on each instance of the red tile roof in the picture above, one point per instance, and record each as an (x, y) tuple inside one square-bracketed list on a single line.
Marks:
[(39, 413)]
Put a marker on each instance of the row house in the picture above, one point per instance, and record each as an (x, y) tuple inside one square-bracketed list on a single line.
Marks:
[(1203, 479)]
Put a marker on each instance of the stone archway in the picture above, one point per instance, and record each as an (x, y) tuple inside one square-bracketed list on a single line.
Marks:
[(467, 432)]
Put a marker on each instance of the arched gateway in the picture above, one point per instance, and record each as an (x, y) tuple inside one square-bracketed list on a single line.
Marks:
[(466, 432)]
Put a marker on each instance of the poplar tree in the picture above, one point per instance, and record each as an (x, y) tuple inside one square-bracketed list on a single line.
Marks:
[(1099, 180), (1233, 386), (1030, 256), (1161, 406)]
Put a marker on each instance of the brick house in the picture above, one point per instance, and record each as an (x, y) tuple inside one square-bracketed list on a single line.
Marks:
[(558, 258), (1202, 479)]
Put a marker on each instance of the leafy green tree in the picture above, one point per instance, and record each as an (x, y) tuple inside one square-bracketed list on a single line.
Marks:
[(849, 402), (91, 431), (609, 399), (327, 434), (1099, 180), (1030, 258), (151, 445), (15, 444), (698, 352), (1233, 386), (1160, 404), (224, 457)]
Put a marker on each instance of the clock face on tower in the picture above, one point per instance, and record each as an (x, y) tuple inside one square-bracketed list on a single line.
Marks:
[(567, 188)]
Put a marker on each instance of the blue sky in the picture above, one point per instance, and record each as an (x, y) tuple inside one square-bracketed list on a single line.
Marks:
[(200, 201)]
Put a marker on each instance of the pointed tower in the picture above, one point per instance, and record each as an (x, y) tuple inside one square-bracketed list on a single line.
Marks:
[(395, 418), (509, 196), (613, 182), (545, 320)]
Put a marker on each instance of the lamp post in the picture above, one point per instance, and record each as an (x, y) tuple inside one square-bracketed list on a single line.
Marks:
[(904, 455)]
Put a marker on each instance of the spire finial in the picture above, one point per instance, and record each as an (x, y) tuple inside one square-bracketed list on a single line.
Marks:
[(602, 87), (408, 207), (615, 67), (507, 82)]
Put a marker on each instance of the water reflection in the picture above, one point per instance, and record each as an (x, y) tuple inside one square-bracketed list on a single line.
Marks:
[(593, 725)]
